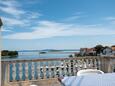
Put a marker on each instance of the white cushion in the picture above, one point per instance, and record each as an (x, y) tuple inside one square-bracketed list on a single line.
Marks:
[(89, 72), (33, 85)]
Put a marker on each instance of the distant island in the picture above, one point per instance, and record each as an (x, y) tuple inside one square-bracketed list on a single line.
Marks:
[(48, 51), (9, 54)]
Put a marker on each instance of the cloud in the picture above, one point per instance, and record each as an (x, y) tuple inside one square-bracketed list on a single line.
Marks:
[(12, 3), (48, 29), (11, 7), (12, 11), (72, 18), (12, 21), (16, 16), (113, 22), (5, 30), (110, 18)]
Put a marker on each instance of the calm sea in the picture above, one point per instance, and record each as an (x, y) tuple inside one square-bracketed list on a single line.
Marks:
[(37, 55)]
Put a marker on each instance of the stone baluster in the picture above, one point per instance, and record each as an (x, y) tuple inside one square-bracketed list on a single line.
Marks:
[(44, 72), (87, 63), (95, 63), (84, 64), (91, 63), (74, 67), (69, 64), (26, 71), (79, 65), (33, 70), (14, 71), (55, 71), (65, 68), (8, 72), (99, 64), (41, 72), (49, 70), (38, 70), (20, 71), (60, 71)]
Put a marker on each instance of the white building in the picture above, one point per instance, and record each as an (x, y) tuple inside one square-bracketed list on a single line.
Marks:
[(107, 51)]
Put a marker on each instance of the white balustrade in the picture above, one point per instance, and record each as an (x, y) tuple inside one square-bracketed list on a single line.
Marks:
[(66, 67)]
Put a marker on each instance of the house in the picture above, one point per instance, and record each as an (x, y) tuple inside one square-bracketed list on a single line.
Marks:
[(91, 52), (107, 51), (83, 51), (87, 52), (113, 50)]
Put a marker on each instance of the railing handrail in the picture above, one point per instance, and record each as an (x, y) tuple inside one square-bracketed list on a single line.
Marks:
[(58, 59)]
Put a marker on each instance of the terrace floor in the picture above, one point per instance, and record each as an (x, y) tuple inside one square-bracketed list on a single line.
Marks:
[(48, 82)]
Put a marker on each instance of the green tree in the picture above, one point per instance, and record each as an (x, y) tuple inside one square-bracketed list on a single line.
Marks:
[(99, 49)]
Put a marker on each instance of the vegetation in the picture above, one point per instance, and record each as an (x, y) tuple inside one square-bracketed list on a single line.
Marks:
[(70, 56), (42, 52), (9, 53), (98, 49)]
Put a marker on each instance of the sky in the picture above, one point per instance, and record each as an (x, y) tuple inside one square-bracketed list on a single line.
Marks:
[(57, 24)]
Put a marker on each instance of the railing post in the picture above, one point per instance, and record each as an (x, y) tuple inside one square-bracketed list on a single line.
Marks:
[(14, 71), (4, 73), (65, 68), (69, 65), (55, 71), (26, 70), (49, 70), (7, 74), (95, 63), (38, 70), (20, 70), (33, 70), (44, 71), (109, 64), (99, 63), (74, 68), (105, 64)]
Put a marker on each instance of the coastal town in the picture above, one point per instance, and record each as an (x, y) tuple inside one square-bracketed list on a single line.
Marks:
[(98, 50)]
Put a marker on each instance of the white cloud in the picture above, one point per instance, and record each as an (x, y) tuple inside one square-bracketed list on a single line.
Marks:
[(47, 29), (11, 3), (12, 11), (113, 22), (5, 30), (72, 18), (12, 21), (33, 15), (16, 16), (110, 18), (11, 7)]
